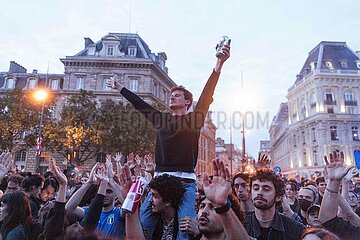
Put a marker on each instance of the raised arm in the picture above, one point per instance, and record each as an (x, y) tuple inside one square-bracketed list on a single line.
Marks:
[(217, 192), (92, 216), (73, 203), (335, 170), (6, 162), (206, 96), (143, 107), (55, 221)]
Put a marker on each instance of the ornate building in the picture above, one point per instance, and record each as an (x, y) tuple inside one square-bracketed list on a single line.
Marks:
[(118, 55), (322, 113)]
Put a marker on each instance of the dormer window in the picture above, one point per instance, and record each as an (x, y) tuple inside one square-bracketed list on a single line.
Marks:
[(358, 64), (313, 66), (132, 51), (110, 50), (344, 64), (10, 83), (329, 64), (31, 83)]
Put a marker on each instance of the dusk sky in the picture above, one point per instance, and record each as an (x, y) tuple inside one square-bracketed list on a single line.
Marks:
[(270, 42)]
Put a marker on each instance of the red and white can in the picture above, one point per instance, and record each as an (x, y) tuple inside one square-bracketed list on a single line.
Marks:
[(132, 200)]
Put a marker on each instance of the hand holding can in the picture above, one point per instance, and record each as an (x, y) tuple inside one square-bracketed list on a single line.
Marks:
[(224, 40)]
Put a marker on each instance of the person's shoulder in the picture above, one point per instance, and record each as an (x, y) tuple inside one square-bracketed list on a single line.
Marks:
[(288, 221), (17, 233)]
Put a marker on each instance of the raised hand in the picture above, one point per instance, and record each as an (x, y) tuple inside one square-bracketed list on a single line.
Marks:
[(149, 164), (218, 190), (263, 161), (6, 163), (114, 84), (334, 166), (92, 178), (102, 174), (60, 177), (109, 167), (125, 179)]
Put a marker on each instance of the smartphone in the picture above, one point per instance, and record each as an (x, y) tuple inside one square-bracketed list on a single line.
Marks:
[(357, 158)]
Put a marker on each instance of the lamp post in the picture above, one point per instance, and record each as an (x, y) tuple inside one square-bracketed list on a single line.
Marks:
[(243, 152), (40, 95), (231, 146)]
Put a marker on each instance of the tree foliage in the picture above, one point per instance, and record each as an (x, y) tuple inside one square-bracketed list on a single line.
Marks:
[(86, 129), (20, 114)]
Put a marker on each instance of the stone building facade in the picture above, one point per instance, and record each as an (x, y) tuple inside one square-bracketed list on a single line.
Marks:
[(122, 56), (322, 113)]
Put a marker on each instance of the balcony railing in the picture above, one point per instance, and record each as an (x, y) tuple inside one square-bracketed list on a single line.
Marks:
[(350, 103), (330, 102)]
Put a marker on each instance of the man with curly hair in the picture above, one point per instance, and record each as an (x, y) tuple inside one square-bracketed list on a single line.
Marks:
[(166, 194), (267, 191)]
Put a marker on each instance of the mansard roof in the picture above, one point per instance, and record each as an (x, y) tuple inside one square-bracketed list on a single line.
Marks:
[(333, 52), (125, 39)]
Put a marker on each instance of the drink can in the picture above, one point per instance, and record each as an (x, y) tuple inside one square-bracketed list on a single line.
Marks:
[(224, 40), (132, 200)]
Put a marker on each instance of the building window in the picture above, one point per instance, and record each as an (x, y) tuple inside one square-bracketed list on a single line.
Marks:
[(350, 98), (105, 82), (10, 83), (330, 99), (20, 156), (164, 95), (304, 159), (80, 83), (329, 65), (355, 133), (344, 64), (31, 83), (155, 89), (313, 133), (303, 137), (134, 84), (55, 84), (351, 110), (358, 64), (330, 110), (333, 133), (313, 66), (315, 158), (132, 51), (110, 50)]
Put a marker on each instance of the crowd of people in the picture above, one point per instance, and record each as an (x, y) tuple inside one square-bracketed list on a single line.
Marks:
[(177, 204)]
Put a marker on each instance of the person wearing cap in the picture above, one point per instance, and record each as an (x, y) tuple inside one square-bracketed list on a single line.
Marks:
[(312, 216)]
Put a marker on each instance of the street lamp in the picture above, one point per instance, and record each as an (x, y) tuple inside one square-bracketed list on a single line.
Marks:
[(40, 95)]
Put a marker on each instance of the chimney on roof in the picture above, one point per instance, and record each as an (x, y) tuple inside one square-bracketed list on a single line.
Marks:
[(35, 71), (16, 68), (358, 53), (88, 41)]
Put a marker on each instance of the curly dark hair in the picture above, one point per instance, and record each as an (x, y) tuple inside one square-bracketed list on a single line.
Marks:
[(266, 174), (32, 181), (169, 187)]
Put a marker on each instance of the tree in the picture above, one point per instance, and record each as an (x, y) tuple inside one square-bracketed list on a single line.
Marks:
[(86, 130), (20, 119)]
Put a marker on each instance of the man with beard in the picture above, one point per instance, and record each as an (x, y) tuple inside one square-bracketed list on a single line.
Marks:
[(219, 214), (267, 190), (166, 194), (241, 189), (111, 223)]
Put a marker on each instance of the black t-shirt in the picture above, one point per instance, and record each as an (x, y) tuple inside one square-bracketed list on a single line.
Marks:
[(264, 233)]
